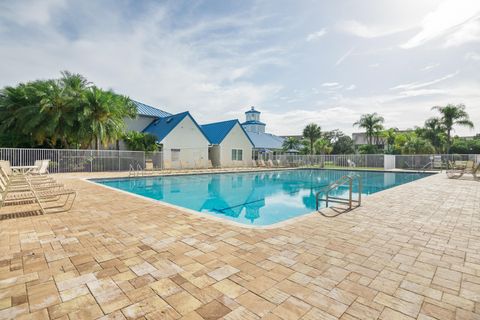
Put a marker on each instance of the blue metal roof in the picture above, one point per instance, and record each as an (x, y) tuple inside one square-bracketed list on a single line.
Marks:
[(217, 131), (163, 126), (253, 122), (265, 140), (149, 111)]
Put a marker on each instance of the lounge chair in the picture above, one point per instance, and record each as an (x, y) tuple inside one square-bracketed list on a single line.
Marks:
[(47, 199), (261, 163), (42, 167), (270, 163), (26, 184), (26, 189), (277, 163), (7, 171), (351, 163), (470, 168)]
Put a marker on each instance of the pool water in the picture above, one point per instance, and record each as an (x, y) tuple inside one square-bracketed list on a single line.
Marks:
[(254, 198)]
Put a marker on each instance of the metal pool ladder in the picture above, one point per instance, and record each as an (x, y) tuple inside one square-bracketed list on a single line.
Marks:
[(344, 180), (132, 172)]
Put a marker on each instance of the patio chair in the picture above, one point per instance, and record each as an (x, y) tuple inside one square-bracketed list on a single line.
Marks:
[(437, 162), (49, 200), (5, 165), (277, 163), (470, 168), (261, 163), (25, 183), (270, 163), (42, 166), (351, 163)]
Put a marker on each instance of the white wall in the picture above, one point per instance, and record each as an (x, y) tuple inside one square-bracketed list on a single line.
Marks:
[(236, 139), (193, 146), (214, 155), (139, 123)]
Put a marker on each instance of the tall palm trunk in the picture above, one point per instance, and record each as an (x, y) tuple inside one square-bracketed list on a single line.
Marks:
[(449, 142)]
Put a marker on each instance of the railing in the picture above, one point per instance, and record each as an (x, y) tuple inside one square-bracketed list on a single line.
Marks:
[(70, 160), (365, 161), (431, 161), (350, 202)]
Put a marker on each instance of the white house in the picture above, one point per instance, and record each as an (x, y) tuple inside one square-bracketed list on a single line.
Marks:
[(230, 144), (184, 144)]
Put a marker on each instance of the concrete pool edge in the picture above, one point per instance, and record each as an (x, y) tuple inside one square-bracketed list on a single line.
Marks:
[(228, 221), (200, 214), (178, 174)]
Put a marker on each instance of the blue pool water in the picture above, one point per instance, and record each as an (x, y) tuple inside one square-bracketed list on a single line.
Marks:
[(253, 198)]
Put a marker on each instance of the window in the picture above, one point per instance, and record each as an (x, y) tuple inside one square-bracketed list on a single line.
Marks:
[(237, 154), (175, 154)]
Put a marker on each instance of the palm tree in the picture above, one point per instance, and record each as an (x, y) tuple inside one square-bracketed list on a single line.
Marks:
[(291, 143), (372, 123), (103, 116), (417, 145), (36, 110), (322, 146), (389, 135), (61, 113), (312, 132), (452, 115), (434, 131)]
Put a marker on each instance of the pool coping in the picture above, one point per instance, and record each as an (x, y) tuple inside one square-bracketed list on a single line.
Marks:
[(256, 170), (224, 220), (203, 215)]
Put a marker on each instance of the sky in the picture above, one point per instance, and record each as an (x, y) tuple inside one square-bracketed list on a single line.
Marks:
[(298, 62)]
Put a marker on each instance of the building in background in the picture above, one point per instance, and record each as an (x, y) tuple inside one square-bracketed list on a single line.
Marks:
[(264, 143), (230, 145), (184, 144)]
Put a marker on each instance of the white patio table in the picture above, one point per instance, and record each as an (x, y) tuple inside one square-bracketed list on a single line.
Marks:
[(23, 169)]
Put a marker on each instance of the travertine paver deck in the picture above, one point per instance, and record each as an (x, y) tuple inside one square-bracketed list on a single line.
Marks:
[(409, 252)]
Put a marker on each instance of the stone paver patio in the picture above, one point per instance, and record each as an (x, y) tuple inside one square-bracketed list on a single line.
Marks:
[(411, 252)]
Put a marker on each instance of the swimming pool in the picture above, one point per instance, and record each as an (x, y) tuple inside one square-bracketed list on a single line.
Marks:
[(253, 198)]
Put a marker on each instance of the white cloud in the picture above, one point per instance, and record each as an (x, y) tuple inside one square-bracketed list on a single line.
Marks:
[(466, 33), (343, 57), (330, 84), (351, 87), (430, 67), (374, 65), (475, 56), (402, 110), (359, 29), (418, 85), (168, 68), (449, 14), (29, 11), (316, 35)]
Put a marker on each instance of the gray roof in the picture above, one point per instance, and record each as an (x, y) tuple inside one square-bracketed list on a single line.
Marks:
[(149, 111), (265, 140)]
